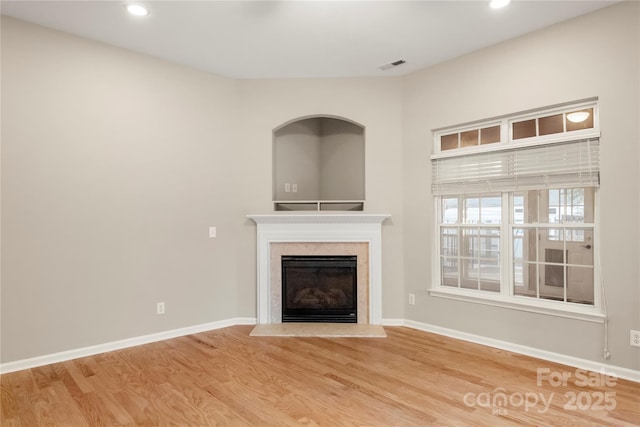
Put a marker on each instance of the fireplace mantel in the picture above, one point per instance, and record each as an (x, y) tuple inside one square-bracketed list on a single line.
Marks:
[(317, 227), (319, 218)]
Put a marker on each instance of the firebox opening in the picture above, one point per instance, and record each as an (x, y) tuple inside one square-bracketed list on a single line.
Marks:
[(319, 289)]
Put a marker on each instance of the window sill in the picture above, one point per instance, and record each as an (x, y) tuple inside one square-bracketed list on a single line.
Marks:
[(551, 308)]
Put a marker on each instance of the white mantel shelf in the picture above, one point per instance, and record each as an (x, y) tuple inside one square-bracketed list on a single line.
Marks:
[(313, 217), (319, 227)]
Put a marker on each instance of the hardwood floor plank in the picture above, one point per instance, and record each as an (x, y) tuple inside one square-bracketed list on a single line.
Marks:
[(40, 408), (78, 377), (418, 384), (64, 410), (340, 373), (14, 396), (227, 378), (323, 387)]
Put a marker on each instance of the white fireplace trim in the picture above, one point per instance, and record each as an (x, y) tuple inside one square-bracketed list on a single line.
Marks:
[(319, 228)]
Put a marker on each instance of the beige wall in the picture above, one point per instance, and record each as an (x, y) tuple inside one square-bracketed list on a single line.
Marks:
[(342, 161), (115, 164), (593, 55), (296, 154)]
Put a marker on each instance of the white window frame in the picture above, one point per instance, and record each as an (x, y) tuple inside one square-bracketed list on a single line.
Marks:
[(505, 297), (506, 135)]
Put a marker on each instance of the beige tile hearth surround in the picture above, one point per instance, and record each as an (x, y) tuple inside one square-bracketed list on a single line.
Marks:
[(319, 233), (324, 330), (359, 249)]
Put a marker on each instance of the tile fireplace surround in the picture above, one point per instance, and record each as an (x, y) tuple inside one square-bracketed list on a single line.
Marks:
[(318, 233)]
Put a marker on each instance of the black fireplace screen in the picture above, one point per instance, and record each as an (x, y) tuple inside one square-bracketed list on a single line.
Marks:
[(319, 289)]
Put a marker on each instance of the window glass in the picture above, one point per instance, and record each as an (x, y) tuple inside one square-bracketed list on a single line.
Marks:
[(489, 259), (490, 243), (585, 124), (490, 135), (551, 259), (450, 210), (471, 210), (483, 209), (450, 272), (469, 138), (491, 209), (568, 205), (554, 259), (524, 129), (449, 241), (518, 209), (551, 124), (449, 142)]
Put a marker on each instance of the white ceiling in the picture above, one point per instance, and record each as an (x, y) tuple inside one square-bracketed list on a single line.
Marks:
[(289, 39)]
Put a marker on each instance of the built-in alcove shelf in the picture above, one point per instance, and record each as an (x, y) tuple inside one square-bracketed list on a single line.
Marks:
[(318, 205), (319, 165)]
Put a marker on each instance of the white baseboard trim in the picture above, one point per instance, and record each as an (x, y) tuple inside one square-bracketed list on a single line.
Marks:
[(394, 322), (624, 373), (590, 365), (64, 356), (245, 321)]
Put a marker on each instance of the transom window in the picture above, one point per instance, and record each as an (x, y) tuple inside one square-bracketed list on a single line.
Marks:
[(560, 123), (554, 124), (517, 225), (470, 138)]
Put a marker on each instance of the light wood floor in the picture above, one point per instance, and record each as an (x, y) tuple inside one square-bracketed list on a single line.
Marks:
[(226, 377)]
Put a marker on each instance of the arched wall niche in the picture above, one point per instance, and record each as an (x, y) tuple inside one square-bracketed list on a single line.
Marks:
[(319, 164)]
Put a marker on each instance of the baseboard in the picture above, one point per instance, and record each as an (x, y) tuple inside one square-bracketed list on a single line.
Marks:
[(245, 321), (576, 362), (624, 373), (394, 322), (64, 356)]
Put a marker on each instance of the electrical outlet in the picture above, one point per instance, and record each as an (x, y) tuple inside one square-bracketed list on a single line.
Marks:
[(412, 299), (635, 338), (294, 188), (160, 308)]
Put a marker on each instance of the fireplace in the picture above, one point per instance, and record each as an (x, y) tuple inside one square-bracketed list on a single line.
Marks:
[(319, 233), (319, 289)]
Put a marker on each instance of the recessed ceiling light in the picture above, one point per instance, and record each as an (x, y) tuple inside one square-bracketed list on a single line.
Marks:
[(578, 116), (497, 4), (137, 9)]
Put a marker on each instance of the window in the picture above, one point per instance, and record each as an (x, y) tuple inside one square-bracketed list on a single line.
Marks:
[(562, 123), (553, 124), (470, 138), (470, 242), (517, 225), (553, 254)]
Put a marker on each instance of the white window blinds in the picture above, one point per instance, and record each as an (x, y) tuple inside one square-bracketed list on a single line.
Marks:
[(559, 165)]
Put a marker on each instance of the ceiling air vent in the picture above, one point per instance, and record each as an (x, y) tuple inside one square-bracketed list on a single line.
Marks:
[(391, 65)]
